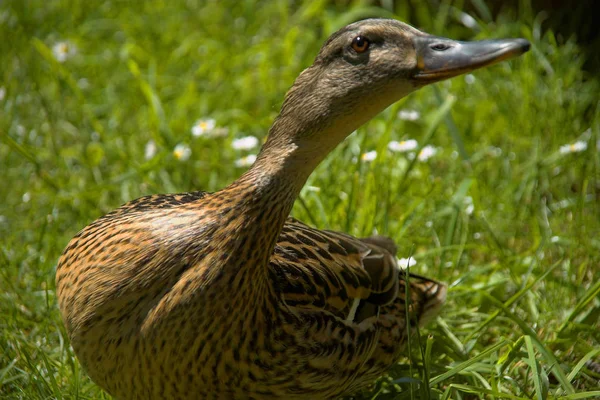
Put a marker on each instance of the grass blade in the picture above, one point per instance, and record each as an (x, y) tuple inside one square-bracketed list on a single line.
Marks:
[(460, 367), (590, 295), (547, 354), (533, 364)]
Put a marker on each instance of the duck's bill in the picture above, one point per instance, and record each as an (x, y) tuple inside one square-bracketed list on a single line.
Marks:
[(440, 58)]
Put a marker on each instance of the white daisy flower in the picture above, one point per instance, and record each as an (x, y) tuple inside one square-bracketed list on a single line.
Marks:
[(83, 83), (369, 156), (409, 115), (467, 20), (245, 161), (150, 150), (576, 147), (426, 153), (203, 126), (245, 143), (182, 152), (21, 130), (63, 50), (403, 146), (469, 207), (406, 262)]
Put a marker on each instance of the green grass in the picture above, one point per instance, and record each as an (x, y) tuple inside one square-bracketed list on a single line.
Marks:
[(499, 212)]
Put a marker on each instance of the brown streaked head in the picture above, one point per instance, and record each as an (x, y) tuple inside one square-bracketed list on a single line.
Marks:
[(375, 50), (365, 67)]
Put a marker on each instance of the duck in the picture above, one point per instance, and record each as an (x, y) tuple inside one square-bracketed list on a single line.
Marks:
[(223, 295)]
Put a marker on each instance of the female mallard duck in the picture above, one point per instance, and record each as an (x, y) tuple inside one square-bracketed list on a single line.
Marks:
[(221, 295)]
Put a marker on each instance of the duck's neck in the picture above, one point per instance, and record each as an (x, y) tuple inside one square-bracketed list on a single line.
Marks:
[(259, 202), (264, 197), (256, 206)]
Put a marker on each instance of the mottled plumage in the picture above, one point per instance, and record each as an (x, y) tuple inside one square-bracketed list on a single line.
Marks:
[(221, 295)]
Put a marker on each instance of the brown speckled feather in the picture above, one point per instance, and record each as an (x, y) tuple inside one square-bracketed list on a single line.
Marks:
[(221, 296), (326, 270), (134, 306)]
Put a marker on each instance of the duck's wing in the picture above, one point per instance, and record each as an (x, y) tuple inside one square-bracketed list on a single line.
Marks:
[(346, 276)]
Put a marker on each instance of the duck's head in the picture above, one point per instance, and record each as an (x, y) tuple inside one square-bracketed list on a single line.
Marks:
[(368, 65)]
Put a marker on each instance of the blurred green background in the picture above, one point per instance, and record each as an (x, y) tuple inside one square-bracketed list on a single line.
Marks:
[(105, 101)]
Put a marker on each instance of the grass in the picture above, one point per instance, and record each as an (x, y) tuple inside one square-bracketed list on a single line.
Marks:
[(499, 212)]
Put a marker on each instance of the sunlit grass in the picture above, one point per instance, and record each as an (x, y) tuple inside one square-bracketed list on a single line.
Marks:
[(502, 211)]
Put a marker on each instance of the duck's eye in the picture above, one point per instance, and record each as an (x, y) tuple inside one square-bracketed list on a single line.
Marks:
[(360, 44), (440, 47)]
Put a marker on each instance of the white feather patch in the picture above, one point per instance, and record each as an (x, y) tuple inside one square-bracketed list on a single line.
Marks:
[(352, 313)]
